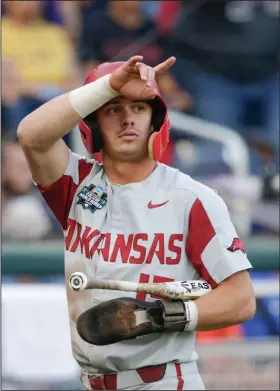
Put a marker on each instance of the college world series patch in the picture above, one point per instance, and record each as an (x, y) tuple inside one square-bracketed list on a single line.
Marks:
[(92, 197)]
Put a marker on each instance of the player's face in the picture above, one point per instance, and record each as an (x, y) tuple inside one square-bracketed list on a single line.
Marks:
[(16, 174), (126, 5), (125, 128), (23, 9)]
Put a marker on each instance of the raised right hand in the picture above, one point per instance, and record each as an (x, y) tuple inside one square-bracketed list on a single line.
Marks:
[(134, 78)]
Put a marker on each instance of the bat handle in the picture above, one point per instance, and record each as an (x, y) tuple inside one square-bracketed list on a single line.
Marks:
[(78, 281)]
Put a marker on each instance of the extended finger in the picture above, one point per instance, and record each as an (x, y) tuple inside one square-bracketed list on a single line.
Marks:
[(164, 66), (133, 61), (143, 71), (150, 76)]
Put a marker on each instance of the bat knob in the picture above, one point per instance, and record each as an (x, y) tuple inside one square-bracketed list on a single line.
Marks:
[(78, 281)]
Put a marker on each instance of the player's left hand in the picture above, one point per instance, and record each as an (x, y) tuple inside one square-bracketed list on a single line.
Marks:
[(126, 318), (134, 79)]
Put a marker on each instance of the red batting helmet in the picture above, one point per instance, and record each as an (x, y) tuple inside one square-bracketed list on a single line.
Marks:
[(89, 127)]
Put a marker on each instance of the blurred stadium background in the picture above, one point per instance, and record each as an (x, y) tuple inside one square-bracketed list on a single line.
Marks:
[(223, 96)]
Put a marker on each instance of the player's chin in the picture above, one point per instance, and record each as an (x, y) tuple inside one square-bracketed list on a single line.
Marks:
[(131, 152)]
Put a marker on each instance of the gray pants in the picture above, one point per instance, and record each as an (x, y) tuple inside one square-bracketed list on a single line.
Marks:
[(183, 376)]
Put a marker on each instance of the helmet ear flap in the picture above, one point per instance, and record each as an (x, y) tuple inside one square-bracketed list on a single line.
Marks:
[(86, 136), (94, 128), (91, 136)]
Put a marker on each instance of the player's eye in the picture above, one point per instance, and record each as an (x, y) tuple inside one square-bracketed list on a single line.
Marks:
[(139, 108), (112, 110)]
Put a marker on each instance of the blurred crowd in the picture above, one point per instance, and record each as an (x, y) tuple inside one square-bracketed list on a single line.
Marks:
[(227, 72)]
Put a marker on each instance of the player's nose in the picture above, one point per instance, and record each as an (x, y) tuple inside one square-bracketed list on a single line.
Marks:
[(127, 118)]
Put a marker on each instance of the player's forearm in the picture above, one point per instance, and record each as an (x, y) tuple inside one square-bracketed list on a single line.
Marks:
[(232, 302), (46, 125)]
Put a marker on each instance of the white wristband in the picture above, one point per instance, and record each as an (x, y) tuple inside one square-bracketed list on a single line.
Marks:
[(88, 98), (192, 315)]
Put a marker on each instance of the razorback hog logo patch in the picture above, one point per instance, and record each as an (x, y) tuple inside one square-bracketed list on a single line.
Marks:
[(236, 245)]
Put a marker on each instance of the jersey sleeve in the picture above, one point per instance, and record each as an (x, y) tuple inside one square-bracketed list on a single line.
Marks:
[(212, 244), (59, 196)]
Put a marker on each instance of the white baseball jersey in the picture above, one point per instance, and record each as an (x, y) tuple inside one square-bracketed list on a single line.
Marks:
[(167, 227)]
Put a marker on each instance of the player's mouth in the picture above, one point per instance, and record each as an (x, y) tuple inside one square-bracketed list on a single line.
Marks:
[(128, 135)]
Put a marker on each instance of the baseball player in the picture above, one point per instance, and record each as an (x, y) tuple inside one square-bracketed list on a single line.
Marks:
[(125, 216)]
